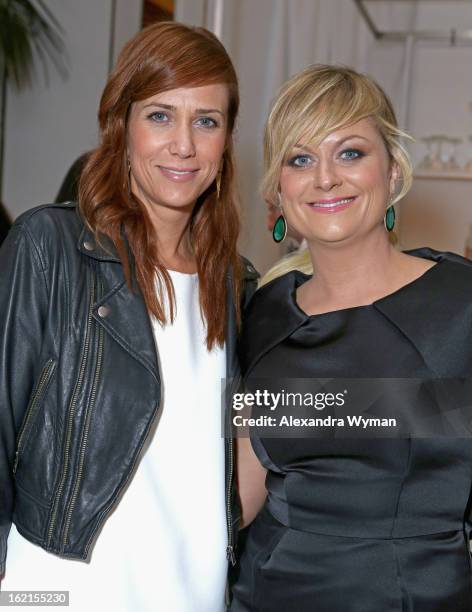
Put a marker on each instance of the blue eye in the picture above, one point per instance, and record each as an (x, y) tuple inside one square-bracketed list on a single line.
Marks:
[(351, 154), (300, 161), (158, 117), (207, 122)]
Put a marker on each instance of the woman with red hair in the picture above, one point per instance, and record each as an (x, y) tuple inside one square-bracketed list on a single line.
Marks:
[(119, 321)]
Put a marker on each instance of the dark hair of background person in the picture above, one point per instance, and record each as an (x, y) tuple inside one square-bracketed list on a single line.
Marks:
[(69, 189), (5, 223), (165, 56)]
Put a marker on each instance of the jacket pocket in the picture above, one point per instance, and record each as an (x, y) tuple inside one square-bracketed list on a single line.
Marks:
[(33, 409)]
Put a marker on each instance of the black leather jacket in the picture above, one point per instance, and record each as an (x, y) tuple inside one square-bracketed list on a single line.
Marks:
[(79, 382)]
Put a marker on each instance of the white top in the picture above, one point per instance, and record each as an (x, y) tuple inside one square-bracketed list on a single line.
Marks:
[(164, 547)]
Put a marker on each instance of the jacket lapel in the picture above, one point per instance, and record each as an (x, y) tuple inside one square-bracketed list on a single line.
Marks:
[(124, 316), (122, 313)]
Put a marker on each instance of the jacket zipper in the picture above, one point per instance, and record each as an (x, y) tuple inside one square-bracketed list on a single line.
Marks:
[(229, 518), (72, 407), (42, 384), (85, 437)]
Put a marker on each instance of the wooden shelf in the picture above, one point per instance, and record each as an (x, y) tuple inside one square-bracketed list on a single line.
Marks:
[(445, 176)]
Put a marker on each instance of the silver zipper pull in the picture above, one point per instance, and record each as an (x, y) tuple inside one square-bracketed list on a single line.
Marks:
[(15, 464), (230, 555)]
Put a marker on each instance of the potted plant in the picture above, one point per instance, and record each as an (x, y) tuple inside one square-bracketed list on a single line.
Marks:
[(29, 33)]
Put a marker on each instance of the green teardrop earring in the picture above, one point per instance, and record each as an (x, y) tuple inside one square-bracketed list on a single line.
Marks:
[(389, 219), (279, 231)]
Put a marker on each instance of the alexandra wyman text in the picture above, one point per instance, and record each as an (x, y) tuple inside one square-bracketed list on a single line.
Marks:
[(290, 421)]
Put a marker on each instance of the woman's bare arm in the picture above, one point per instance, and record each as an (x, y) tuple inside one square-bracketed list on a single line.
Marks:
[(251, 480)]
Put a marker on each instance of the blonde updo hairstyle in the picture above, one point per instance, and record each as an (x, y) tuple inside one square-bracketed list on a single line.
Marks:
[(311, 105)]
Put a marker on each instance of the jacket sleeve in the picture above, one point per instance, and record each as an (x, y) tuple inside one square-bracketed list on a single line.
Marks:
[(23, 302)]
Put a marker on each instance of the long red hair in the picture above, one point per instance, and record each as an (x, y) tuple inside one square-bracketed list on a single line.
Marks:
[(165, 56)]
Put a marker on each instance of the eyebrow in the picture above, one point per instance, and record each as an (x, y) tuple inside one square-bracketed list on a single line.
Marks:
[(198, 111), (352, 136)]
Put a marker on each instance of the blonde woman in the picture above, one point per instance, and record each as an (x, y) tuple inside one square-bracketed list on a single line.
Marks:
[(352, 525)]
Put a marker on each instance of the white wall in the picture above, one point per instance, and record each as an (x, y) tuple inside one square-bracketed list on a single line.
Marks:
[(50, 125), (438, 212), (128, 19)]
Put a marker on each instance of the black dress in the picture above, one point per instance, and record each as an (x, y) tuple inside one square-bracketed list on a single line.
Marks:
[(372, 525)]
